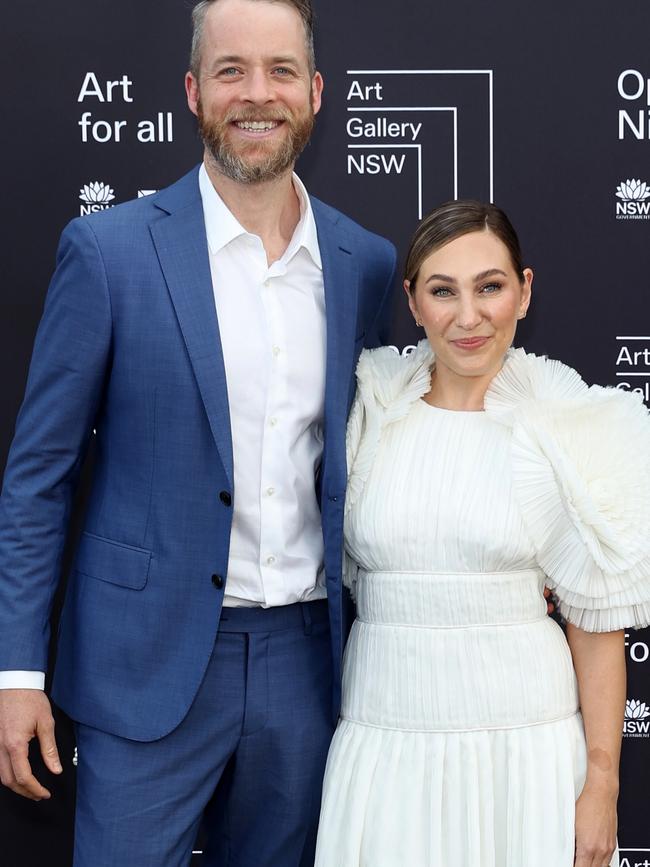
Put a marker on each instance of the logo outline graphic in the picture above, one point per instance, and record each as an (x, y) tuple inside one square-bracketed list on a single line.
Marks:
[(451, 110)]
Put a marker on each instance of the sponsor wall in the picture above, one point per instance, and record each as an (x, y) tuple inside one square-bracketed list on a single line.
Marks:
[(546, 112)]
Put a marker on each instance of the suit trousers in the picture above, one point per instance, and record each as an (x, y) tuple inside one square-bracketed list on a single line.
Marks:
[(248, 758)]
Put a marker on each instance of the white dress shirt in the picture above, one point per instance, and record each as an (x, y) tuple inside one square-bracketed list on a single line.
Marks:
[(272, 328)]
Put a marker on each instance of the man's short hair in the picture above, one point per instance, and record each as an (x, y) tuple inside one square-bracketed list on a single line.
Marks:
[(302, 7)]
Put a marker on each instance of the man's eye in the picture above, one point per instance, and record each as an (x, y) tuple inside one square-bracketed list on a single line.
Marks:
[(282, 70), (229, 71)]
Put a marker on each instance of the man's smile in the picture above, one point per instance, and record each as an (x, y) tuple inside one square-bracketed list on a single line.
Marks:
[(257, 125)]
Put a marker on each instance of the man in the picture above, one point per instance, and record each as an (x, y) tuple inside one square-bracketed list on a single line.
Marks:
[(209, 334)]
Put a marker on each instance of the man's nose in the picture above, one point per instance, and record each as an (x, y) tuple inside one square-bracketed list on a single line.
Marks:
[(258, 88)]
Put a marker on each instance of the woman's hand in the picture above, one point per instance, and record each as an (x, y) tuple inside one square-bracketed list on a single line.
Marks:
[(599, 660), (596, 824)]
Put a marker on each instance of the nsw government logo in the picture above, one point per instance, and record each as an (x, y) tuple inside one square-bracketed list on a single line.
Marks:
[(637, 719), (96, 196), (633, 203)]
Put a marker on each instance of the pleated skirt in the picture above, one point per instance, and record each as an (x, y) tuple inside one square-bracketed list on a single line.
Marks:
[(460, 743)]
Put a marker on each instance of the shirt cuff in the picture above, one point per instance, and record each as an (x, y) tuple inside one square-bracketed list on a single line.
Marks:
[(22, 680)]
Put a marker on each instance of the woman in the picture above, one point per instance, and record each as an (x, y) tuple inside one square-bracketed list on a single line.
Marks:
[(478, 474)]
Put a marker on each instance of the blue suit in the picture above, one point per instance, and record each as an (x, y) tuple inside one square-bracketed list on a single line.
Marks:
[(129, 347)]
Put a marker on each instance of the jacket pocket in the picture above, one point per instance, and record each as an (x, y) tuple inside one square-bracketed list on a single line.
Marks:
[(113, 562)]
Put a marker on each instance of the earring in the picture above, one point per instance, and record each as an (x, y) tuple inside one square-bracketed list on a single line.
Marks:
[(418, 323)]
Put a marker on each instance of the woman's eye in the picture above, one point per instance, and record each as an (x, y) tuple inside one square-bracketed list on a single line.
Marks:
[(441, 291), (491, 287)]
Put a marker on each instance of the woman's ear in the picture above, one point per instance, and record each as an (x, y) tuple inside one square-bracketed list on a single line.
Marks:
[(526, 291), (411, 299), (412, 305)]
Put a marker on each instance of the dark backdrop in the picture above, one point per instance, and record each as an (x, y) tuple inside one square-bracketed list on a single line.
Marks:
[(544, 108)]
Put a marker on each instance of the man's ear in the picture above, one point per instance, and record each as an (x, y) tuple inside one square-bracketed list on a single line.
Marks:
[(317, 85), (192, 92)]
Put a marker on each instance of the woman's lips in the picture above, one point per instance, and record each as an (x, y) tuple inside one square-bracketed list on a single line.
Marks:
[(470, 342)]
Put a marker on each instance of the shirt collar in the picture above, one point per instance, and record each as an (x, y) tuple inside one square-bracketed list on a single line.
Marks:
[(222, 226)]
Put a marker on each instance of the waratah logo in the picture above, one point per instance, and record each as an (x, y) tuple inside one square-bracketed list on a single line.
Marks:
[(633, 191), (96, 196), (632, 204), (98, 193), (636, 709), (637, 724)]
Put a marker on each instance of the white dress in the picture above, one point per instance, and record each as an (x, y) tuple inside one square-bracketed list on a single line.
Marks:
[(460, 742)]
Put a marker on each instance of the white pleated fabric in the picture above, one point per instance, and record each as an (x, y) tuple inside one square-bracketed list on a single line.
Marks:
[(460, 741)]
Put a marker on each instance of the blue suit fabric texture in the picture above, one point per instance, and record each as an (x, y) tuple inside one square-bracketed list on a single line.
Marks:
[(128, 351)]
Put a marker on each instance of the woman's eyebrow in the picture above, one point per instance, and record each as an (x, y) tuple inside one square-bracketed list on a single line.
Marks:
[(444, 277), (489, 273)]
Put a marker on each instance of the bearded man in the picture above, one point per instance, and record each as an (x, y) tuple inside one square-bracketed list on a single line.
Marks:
[(209, 335)]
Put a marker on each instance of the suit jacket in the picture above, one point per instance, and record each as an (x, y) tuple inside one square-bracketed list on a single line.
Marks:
[(128, 350)]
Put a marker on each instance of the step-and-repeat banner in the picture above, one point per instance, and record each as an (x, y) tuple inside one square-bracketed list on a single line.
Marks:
[(543, 108)]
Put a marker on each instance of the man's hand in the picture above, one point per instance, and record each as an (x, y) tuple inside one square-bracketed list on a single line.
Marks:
[(550, 606), (26, 714)]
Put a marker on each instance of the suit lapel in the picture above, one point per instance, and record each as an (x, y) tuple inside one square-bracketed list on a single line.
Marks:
[(182, 249), (181, 244)]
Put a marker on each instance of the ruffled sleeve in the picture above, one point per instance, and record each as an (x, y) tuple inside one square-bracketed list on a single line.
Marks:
[(387, 386), (581, 473)]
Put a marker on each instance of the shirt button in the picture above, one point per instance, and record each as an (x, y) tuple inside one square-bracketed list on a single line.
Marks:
[(276, 351), (225, 498), (270, 491), (217, 580), (270, 560), (273, 421)]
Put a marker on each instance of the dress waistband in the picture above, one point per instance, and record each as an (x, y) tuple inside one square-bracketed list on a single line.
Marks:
[(456, 652), (444, 600)]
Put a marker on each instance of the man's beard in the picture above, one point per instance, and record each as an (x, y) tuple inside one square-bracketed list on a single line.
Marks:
[(235, 164)]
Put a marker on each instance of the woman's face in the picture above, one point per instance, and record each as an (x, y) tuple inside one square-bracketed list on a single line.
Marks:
[(469, 297)]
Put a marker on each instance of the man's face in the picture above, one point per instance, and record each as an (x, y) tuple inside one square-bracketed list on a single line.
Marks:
[(255, 98)]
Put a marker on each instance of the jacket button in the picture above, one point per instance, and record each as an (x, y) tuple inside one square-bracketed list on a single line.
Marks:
[(225, 498), (217, 580)]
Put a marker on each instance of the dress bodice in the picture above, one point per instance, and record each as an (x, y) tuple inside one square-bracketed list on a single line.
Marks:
[(552, 475), (439, 498)]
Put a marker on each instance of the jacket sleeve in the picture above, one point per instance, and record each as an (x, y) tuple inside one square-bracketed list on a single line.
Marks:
[(379, 333), (64, 387)]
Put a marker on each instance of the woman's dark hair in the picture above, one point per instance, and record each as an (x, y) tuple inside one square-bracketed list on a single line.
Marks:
[(453, 219)]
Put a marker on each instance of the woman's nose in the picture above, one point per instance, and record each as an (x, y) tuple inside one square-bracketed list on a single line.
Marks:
[(469, 313)]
